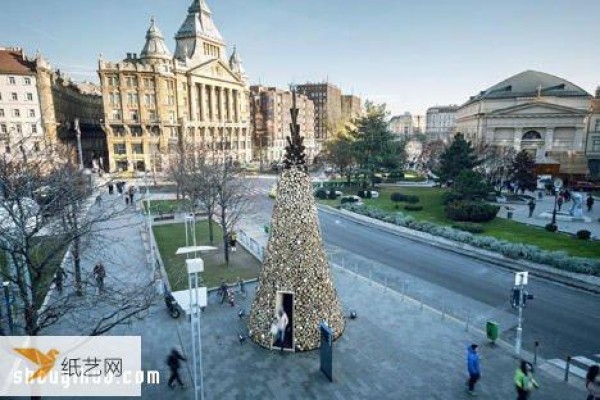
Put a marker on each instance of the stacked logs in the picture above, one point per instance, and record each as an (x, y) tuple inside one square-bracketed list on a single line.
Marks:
[(295, 261)]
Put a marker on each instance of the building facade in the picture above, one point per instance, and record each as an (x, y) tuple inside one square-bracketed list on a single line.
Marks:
[(538, 112), (22, 122), (351, 107), (440, 123), (402, 125), (327, 99), (156, 101), (271, 121), (78, 111), (592, 148)]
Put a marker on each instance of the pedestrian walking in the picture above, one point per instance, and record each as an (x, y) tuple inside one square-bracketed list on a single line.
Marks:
[(589, 202), (126, 199), (282, 323), (592, 383), (110, 187), (131, 194), (173, 361), (524, 380), (59, 279), (473, 368), (99, 275), (560, 201), (99, 200), (531, 205), (233, 242)]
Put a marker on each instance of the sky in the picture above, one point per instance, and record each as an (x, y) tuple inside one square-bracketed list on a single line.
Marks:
[(410, 55)]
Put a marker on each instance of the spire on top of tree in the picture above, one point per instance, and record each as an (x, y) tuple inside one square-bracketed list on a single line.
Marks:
[(294, 151)]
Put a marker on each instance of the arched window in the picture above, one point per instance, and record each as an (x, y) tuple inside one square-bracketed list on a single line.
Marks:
[(532, 135)]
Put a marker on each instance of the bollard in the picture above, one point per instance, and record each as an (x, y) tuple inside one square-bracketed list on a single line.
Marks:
[(535, 352), (568, 366)]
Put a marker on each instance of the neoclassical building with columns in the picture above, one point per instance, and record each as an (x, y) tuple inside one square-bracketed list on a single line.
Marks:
[(535, 111), (157, 101)]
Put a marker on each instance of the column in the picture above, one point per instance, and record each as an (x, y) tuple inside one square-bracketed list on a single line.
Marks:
[(222, 104), (236, 114), (192, 100), (213, 103), (549, 139), (517, 138)]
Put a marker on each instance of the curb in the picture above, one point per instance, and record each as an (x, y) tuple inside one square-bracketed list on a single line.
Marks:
[(540, 270)]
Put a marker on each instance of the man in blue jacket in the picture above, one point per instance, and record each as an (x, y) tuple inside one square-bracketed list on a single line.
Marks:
[(473, 368)]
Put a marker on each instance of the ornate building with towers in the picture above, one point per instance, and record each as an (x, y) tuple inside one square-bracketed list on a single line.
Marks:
[(157, 102)]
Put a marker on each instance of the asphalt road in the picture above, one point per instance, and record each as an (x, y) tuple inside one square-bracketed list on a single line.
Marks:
[(566, 321)]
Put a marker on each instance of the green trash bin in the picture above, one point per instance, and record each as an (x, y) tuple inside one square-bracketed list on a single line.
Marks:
[(492, 330), (266, 227)]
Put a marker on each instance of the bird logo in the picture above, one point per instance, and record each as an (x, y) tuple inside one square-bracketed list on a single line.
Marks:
[(45, 362)]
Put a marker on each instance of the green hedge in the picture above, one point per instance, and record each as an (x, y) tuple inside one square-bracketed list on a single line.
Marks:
[(471, 211), (557, 259), (408, 198)]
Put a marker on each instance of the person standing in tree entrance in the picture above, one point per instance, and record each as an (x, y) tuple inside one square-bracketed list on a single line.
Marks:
[(99, 275), (173, 361), (531, 205), (282, 323), (473, 368)]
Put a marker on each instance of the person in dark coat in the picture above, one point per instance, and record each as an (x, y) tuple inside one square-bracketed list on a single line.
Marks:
[(110, 188), (531, 205), (589, 202), (173, 361), (560, 201), (473, 368)]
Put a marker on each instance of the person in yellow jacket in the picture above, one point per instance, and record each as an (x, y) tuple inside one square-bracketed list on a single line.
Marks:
[(524, 380)]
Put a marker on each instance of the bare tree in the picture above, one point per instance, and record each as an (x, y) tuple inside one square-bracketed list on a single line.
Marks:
[(496, 161), (231, 199), (44, 214)]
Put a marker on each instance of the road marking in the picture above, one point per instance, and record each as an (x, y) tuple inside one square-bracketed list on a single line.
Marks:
[(573, 370)]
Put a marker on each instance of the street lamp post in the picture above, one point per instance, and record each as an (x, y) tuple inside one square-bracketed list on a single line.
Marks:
[(7, 302), (557, 185), (79, 150)]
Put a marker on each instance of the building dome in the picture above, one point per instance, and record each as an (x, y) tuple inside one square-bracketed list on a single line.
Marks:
[(531, 84), (236, 65), (155, 47)]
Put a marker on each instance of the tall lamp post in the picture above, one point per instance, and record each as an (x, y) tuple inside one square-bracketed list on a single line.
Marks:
[(557, 185), (79, 150)]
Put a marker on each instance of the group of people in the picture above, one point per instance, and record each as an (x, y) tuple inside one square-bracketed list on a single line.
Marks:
[(524, 381), (279, 327), (565, 196), (99, 273), (128, 192)]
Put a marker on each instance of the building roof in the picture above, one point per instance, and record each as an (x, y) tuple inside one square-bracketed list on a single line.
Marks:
[(531, 84), (442, 109), (199, 23), (236, 65), (13, 61), (155, 46)]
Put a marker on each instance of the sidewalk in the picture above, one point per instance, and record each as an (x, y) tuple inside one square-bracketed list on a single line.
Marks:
[(546, 204), (395, 349)]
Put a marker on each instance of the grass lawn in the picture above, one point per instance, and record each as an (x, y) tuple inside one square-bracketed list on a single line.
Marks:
[(42, 284), (172, 236), (433, 211), (167, 206)]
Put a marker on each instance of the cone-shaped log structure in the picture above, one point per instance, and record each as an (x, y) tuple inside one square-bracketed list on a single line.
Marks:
[(295, 263)]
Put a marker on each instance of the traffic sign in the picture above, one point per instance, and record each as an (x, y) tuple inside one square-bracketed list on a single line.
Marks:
[(521, 278)]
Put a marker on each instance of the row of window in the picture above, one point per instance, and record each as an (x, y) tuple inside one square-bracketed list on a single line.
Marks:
[(130, 81), (18, 128), (14, 96), (12, 80), (17, 113)]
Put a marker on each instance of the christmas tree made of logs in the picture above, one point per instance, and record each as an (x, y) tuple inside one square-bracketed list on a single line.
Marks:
[(295, 273)]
